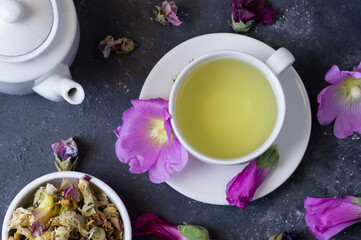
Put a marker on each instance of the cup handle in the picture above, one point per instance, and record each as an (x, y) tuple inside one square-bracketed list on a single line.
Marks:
[(280, 60)]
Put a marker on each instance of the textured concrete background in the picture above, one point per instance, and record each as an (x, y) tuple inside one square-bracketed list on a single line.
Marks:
[(318, 33)]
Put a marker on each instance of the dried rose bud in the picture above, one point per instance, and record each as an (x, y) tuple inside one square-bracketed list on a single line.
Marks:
[(66, 155)]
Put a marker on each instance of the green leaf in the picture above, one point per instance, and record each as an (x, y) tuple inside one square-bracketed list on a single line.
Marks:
[(192, 232), (269, 159), (357, 200)]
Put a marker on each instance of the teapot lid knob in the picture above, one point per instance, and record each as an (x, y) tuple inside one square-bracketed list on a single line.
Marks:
[(11, 11)]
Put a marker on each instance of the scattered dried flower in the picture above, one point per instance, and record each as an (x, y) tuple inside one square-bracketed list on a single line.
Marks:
[(146, 141), (167, 14), (66, 155), (341, 101), (240, 190), (325, 217), (151, 225), (120, 46), (284, 236), (245, 12)]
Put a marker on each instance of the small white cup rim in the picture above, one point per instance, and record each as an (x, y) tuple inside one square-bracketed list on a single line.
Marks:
[(272, 79), (41, 181)]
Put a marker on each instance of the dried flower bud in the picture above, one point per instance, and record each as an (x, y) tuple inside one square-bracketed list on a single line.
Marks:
[(66, 155), (121, 45)]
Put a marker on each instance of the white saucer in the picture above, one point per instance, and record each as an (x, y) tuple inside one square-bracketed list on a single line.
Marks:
[(207, 183)]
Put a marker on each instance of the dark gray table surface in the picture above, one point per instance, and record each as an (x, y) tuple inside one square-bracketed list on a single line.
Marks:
[(318, 33)]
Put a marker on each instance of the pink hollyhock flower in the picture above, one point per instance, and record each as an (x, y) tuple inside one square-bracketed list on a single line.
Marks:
[(325, 217), (146, 142), (151, 225), (167, 14), (341, 101), (245, 12), (240, 190)]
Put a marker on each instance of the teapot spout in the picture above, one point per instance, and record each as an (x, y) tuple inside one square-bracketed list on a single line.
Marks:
[(58, 86)]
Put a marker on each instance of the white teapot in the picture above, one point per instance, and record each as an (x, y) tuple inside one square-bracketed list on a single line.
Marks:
[(38, 41)]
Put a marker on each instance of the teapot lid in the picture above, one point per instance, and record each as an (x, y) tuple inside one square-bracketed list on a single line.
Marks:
[(27, 27)]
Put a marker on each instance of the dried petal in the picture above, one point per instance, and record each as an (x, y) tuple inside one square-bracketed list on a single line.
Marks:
[(99, 218), (97, 233), (21, 217), (61, 233), (73, 192), (89, 201), (64, 184)]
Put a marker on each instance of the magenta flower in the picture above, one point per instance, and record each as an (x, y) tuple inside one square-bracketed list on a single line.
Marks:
[(241, 189), (341, 101), (167, 14), (146, 142), (245, 12), (151, 225), (325, 217)]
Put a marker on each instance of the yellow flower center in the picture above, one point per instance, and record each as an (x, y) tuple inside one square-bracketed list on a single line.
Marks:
[(351, 88), (355, 92), (157, 132)]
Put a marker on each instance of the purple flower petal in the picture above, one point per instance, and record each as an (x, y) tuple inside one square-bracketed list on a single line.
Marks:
[(65, 149), (145, 140), (117, 223), (173, 19), (264, 13), (87, 178), (166, 7), (151, 225), (335, 76), (73, 192), (241, 189), (37, 228), (173, 7), (167, 162), (328, 105), (325, 217), (348, 120), (170, 12)]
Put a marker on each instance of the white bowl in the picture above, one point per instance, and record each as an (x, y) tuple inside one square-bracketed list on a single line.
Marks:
[(25, 198)]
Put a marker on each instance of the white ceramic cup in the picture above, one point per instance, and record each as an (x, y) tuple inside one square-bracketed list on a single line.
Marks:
[(26, 196), (271, 68)]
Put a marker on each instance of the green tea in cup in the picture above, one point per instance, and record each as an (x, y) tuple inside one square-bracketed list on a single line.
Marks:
[(225, 108)]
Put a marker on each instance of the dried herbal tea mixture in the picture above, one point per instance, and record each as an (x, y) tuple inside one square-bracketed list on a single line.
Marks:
[(73, 211)]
